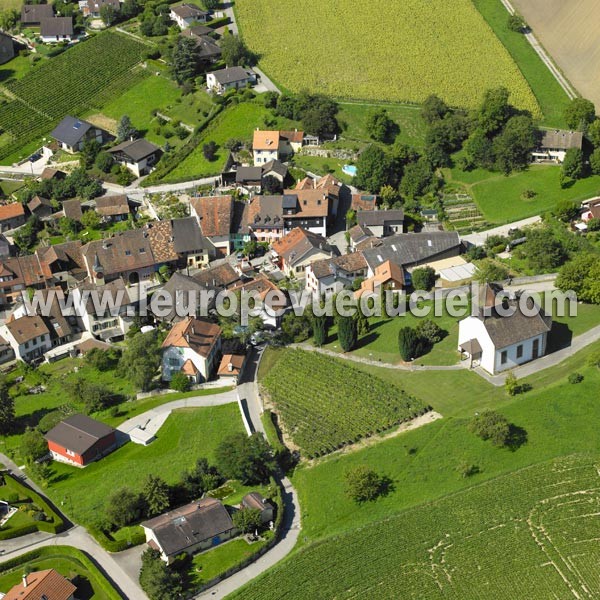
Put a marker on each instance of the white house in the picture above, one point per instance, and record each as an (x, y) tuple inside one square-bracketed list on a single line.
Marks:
[(102, 309), (56, 29), (229, 78), (554, 143), (28, 336), (332, 275), (192, 348), (72, 133), (296, 250), (187, 14), (139, 156), (502, 334), (275, 145)]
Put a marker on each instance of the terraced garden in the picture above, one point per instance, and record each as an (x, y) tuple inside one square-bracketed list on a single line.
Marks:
[(326, 404), (84, 77), (398, 51)]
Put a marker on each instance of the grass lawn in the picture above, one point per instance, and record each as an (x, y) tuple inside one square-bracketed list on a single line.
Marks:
[(188, 434), (160, 93), (70, 563), (238, 121), (549, 94), (499, 197), (16, 68), (353, 118), (381, 343), (8, 187), (209, 564), (321, 166), (559, 419)]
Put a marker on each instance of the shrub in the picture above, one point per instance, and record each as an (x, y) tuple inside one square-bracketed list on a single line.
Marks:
[(409, 344), (490, 425), (363, 484), (180, 382), (514, 387), (575, 378), (430, 331), (423, 278), (467, 470), (247, 519)]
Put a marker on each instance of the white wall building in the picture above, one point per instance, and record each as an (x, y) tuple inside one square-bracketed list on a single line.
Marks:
[(498, 343)]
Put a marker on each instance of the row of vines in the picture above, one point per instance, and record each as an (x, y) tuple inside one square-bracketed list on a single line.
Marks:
[(325, 404), (530, 534), (85, 77)]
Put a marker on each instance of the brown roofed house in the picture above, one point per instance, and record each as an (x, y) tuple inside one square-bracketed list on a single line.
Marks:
[(256, 501), (40, 207), (72, 209), (299, 248), (222, 277), (11, 216), (215, 216), (32, 14), (40, 585), (191, 339), (28, 336), (113, 208), (231, 367), (196, 526), (139, 156), (80, 440)]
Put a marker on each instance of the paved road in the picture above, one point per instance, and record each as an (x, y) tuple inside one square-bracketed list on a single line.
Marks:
[(478, 239), (290, 528), (77, 537), (227, 8), (562, 80)]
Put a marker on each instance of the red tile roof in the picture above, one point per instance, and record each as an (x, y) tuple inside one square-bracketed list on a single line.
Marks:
[(49, 584)]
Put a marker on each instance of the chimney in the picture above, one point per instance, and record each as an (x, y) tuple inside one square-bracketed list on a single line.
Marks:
[(187, 338), (24, 580), (230, 367)]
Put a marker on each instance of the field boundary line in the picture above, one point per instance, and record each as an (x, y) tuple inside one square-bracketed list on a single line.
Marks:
[(546, 58)]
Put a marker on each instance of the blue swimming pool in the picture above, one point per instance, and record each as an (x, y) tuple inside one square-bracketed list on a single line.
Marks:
[(349, 170)]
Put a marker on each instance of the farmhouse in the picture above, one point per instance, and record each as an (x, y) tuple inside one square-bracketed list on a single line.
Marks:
[(501, 335), (72, 133), (381, 223), (48, 584), (331, 275), (7, 49), (11, 216), (296, 250), (275, 145), (33, 14), (138, 156), (554, 143), (196, 526), (186, 14), (113, 208), (191, 347), (80, 440), (229, 78), (249, 179), (56, 29)]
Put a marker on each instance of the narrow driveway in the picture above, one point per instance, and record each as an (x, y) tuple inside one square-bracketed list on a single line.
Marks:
[(152, 420)]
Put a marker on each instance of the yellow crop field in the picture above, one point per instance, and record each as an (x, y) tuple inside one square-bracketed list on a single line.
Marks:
[(391, 50)]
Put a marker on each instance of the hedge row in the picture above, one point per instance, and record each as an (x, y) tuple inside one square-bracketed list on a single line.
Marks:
[(56, 525), (75, 555)]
